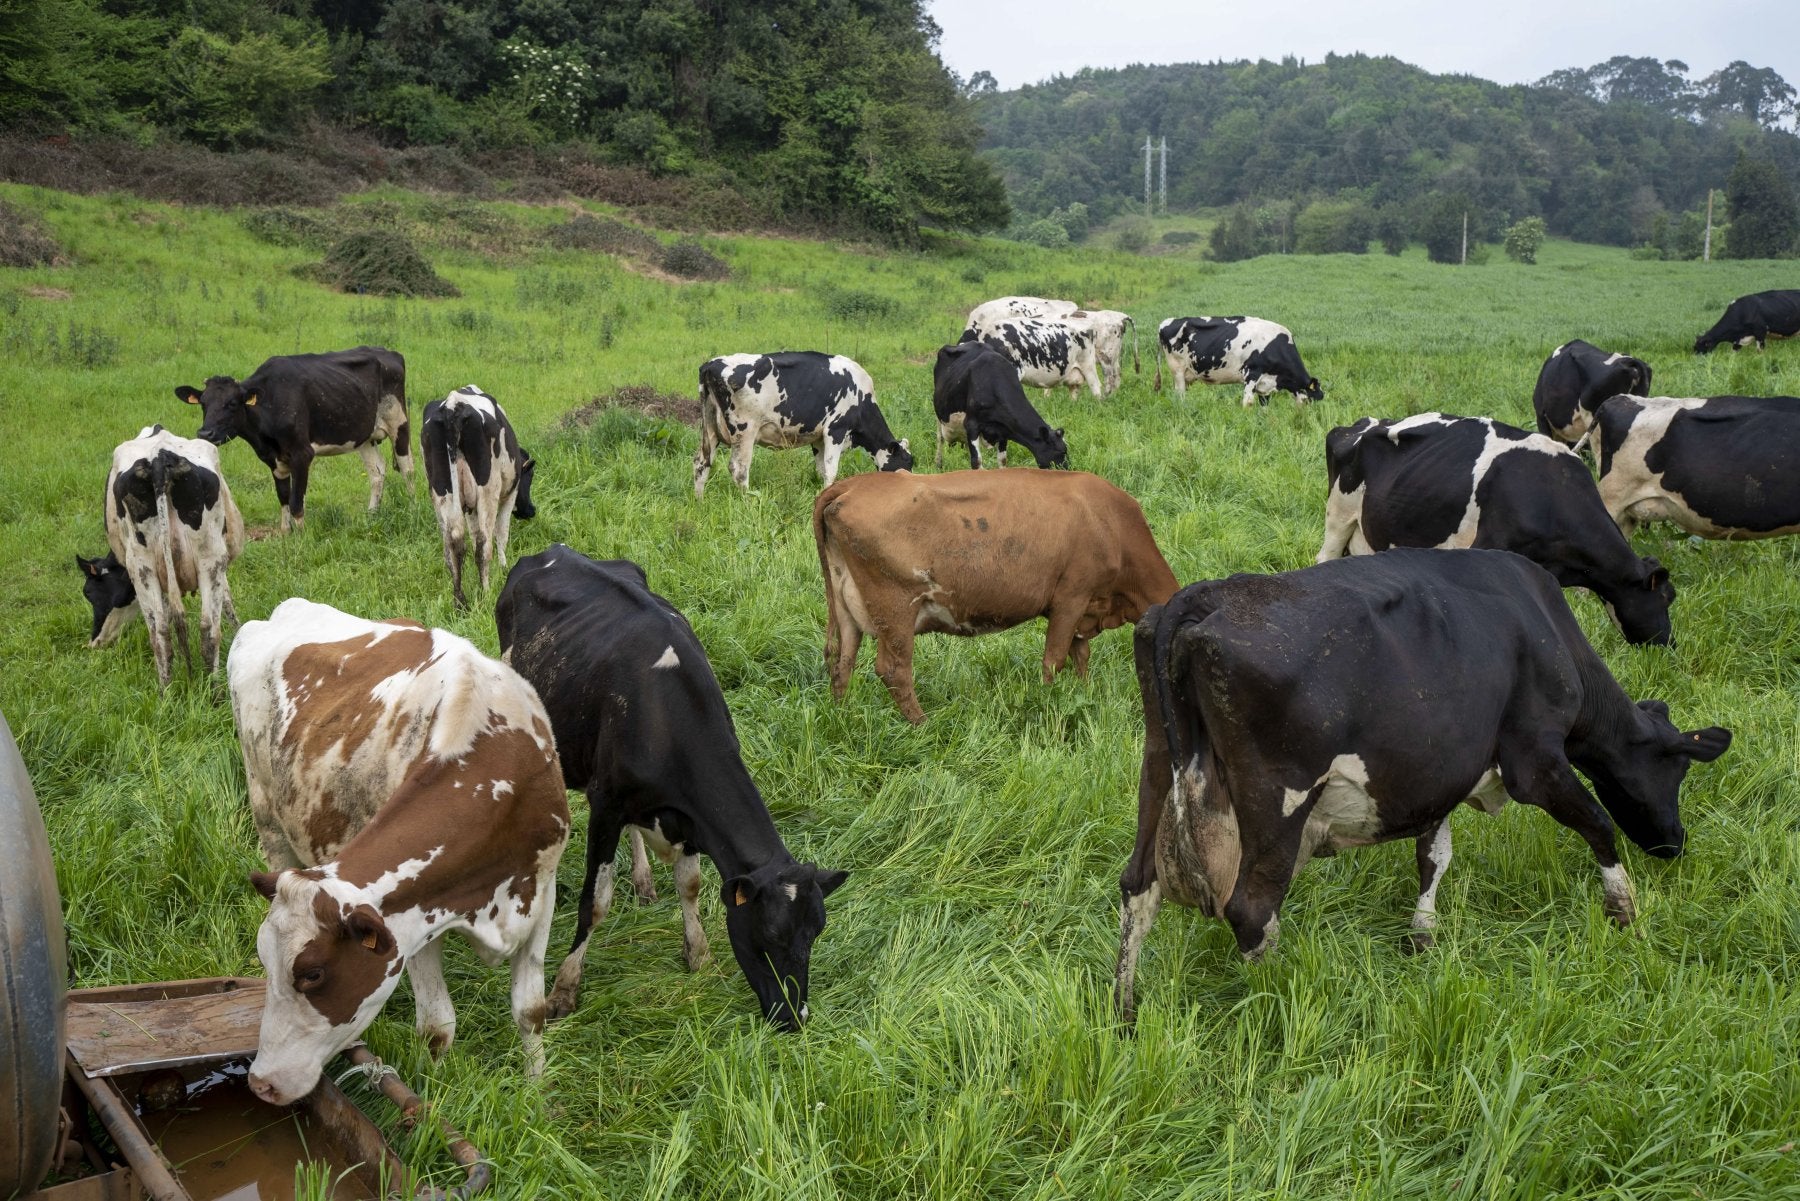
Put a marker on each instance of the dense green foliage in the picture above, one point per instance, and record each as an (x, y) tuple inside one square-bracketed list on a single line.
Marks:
[(1765, 218), (1522, 239), (961, 1043), (1601, 154), (833, 113)]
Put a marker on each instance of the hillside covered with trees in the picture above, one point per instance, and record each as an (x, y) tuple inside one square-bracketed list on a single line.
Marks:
[(1620, 153)]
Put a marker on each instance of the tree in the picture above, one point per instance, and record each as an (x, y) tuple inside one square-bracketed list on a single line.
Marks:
[(1757, 92), (1390, 227), (1523, 239), (1441, 226), (1759, 201), (1234, 238), (1334, 227)]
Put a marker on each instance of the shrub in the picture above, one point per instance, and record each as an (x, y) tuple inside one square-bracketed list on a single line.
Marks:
[(582, 232), (1044, 232), (1523, 239), (1180, 237), (1133, 237), (1441, 228), (1234, 239), (383, 262), (1390, 227), (285, 227), (1334, 227), (690, 260), (848, 304), (23, 243)]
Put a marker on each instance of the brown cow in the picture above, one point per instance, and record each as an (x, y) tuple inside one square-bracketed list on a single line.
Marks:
[(974, 552)]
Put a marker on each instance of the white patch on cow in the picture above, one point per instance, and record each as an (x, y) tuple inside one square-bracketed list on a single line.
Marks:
[(1343, 524), (1425, 912), (1489, 794), (792, 891), (1621, 897), (471, 396), (668, 660), (1292, 799), (1345, 815), (1634, 495), (1746, 341), (407, 869)]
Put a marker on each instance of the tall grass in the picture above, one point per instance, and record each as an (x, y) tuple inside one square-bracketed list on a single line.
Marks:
[(962, 1043)]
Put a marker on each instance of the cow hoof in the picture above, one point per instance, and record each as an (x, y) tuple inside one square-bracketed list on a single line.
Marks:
[(561, 1003), (646, 891), (437, 1041), (1417, 942)]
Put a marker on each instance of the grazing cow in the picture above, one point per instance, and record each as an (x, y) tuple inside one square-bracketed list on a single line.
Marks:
[(1719, 467), (1108, 326), (1363, 700), (173, 530), (1576, 379), (644, 731), (404, 785), (991, 311), (1051, 352), (975, 552), (1235, 350), (1455, 482), (795, 398), (978, 398), (297, 407), (1754, 318), (474, 465)]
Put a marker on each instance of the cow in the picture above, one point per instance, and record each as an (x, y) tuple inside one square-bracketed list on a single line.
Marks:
[(975, 552), (1452, 482), (1051, 352), (298, 407), (1576, 378), (978, 398), (475, 467), (794, 398), (1754, 318), (1362, 700), (644, 731), (1718, 467), (172, 529), (1231, 350), (1108, 326), (404, 785)]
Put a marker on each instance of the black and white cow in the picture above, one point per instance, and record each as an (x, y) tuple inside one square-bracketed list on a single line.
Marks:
[(1719, 467), (476, 468), (298, 407), (1051, 352), (794, 398), (1363, 700), (1109, 327), (1456, 482), (978, 398), (1235, 350), (1575, 380), (1754, 318), (173, 530), (643, 729)]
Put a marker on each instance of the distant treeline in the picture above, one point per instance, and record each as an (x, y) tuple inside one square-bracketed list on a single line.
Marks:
[(830, 112), (1620, 153)]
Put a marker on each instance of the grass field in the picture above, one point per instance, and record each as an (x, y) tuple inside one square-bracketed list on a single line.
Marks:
[(962, 1043)]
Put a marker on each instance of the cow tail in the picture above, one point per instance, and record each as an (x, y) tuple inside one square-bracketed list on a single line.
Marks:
[(455, 415), (1137, 366), (164, 472), (1159, 363), (1186, 737)]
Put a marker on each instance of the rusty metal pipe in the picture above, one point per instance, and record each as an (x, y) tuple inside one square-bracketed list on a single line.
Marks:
[(477, 1172), (145, 1157)]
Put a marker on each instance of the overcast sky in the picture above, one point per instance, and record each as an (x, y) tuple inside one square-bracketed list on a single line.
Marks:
[(1025, 41)]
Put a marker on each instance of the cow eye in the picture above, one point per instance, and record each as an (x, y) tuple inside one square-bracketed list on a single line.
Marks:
[(310, 979)]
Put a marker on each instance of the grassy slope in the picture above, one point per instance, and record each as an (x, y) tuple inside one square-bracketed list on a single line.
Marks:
[(961, 1043)]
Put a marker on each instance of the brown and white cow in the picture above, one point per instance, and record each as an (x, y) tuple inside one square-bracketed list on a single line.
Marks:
[(404, 785), (173, 530), (975, 552)]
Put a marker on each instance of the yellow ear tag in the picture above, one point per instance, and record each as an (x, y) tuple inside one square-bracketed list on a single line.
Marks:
[(369, 940), (250, 401), (741, 898)]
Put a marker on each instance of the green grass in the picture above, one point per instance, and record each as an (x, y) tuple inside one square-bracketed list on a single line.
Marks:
[(961, 1043)]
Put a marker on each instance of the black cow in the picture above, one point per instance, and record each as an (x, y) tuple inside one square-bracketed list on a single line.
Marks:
[(476, 468), (978, 398), (1259, 354), (1575, 380), (795, 398), (643, 729), (1754, 318), (1455, 482), (1361, 701), (297, 407), (1719, 467)]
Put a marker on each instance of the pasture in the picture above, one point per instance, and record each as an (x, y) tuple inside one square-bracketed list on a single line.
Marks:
[(962, 1042)]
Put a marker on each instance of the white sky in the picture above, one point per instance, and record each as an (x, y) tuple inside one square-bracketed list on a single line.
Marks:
[(1027, 41)]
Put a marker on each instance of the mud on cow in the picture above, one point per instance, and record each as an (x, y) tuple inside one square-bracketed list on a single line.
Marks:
[(173, 530), (978, 398), (976, 552), (1718, 467), (1454, 482), (1361, 701), (795, 398), (404, 785), (1258, 354), (295, 408), (1051, 352), (1754, 318), (1575, 381), (477, 471), (645, 733)]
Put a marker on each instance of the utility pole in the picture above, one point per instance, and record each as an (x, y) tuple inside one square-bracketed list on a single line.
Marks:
[(1706, 250), (1465, 250), (1162, 186), (1146, 175)]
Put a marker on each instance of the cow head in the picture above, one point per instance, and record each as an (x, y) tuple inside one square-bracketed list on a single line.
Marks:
[(523, 509), (895, 456), (1641, 610), (1638, 776), (773, 915), (109, 590), (1313, 390), (331, 962), (224, 407), (1049, 448)]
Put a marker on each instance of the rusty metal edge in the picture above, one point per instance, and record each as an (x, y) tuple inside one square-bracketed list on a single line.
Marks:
[(478, 1173), (154, 1172)]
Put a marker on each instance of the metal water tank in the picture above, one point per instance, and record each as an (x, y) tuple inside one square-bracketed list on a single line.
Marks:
[(32, 976)]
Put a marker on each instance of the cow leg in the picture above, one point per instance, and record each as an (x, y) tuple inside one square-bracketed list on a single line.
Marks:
[(299, 468), (1080, 653), (528, 1006), (453, 527), (972, 437), (741, 450), (487, 523), (371, 457), (403, 449), (502, 532), (942, 437), (843, 636), (1059, 639), (1140, 892), (1542, 776), (1250, 397), (1433, 852), (826, 456), (893, 663), (703, 458), (215, 596), (999, 451), (605, 823), (1341, 519), (284, 493), (435, 1014), (642, 882), (693, 934), (156, 620)]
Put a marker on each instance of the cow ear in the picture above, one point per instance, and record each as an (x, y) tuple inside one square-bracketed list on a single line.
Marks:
[(364, 925), (1655, 708), (250, 400), (829, 880), (90, 566), (265, 882), (1657, 576), (739, 890), (191, 395), (1705, 745)]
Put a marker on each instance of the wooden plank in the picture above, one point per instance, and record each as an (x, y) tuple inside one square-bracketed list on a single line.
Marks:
[(110, 1034)]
